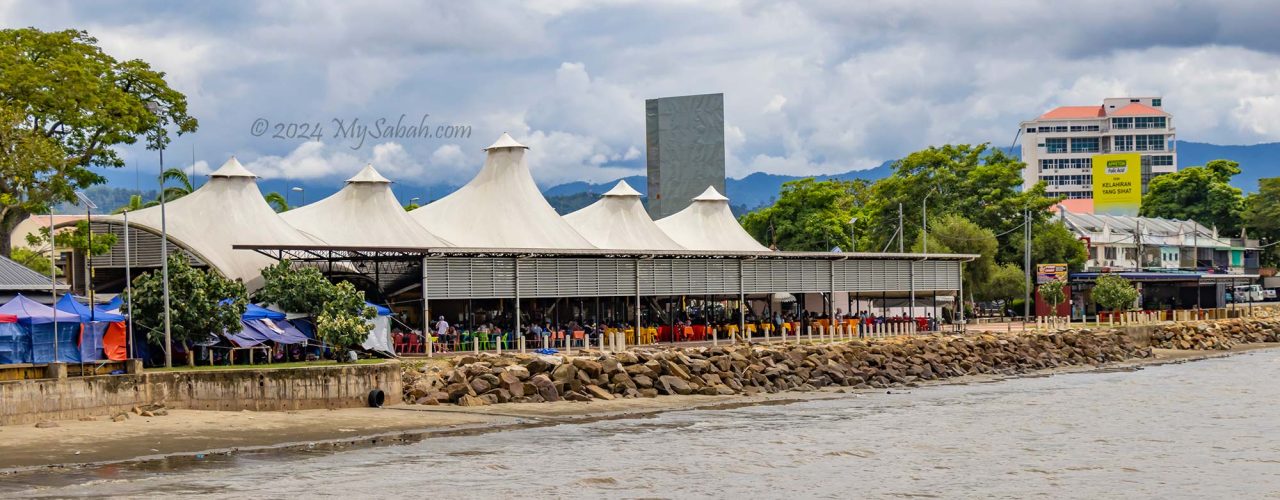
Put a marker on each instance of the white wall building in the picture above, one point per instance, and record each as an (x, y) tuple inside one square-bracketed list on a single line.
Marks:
[(1059, 145)]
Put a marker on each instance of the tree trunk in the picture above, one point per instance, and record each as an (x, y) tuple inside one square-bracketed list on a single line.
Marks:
[(7, 224)]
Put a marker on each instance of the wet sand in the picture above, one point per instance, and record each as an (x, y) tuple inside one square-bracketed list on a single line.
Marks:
[(190, 433)]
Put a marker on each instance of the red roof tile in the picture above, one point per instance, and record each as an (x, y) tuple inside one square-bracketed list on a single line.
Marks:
[(1073, 112), (1138, 109)]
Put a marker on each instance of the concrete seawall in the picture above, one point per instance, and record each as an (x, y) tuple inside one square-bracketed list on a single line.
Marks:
[(265, 389)]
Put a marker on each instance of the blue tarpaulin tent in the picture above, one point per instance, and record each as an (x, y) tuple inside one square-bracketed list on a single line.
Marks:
[(382, 311), (38, 320), (94, 322), (259, 324), (15, 343)]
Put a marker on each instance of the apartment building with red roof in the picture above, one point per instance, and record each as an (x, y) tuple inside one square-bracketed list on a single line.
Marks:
[(1059, 145)]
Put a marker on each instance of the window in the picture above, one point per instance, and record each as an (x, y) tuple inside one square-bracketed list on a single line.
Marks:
[(1124, 123), (1122, 143), (1131, 254), (1162, 160), (1031, 130), (1155, 103), (1084, 128), (1149, 122), (1084, 145), (1149, 143), (1135, 100), (1055, 145), (1108, 252)]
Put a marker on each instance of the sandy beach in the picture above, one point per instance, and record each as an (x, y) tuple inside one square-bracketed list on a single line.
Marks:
[(189, 434)]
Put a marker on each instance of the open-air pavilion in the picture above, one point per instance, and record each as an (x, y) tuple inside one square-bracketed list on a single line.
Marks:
[(495, 252)]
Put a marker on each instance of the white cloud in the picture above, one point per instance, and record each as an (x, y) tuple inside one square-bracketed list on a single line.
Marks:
[(813, 87)]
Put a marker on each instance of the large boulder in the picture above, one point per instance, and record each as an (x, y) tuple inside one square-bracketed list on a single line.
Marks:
[(546, 388)]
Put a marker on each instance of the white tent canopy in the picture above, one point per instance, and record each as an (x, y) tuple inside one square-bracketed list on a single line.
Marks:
[(618, 221), (500, 208), (228, 210), (708, 224), (363, 213)]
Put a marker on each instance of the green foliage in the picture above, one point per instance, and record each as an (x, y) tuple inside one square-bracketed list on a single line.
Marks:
[(77, 239), (196, 308), (955, 234), (65, 104), (277, 201), (183, 183), (1114, 293), (982, 184), (1053, 243), (1202, 194), (340, 310), (809, 215), (1053, 294), (34, 260), (135, 204), (1262, 216), (343, 321), (411, 207), (298, 290), (1007, 281)]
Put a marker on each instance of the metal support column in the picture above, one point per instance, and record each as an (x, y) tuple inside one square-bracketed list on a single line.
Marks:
[(637, 301), (742, 300), (960, 298), (516, 265), (426, 311)]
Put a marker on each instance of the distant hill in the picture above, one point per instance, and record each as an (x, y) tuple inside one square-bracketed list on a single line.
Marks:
[(748, 193), (1257, 161)]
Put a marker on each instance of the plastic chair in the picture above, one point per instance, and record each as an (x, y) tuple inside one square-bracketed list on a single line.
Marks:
[(580, 336)]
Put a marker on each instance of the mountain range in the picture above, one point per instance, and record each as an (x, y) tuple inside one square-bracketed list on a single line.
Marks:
[(754, 190)]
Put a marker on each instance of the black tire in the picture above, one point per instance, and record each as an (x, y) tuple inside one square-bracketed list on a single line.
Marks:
[(376, 398)]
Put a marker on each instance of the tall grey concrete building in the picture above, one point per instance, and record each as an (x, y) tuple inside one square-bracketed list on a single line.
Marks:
[(685, 150)]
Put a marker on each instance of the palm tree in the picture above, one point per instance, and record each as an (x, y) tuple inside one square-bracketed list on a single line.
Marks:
[(183, 188), (277, 201), (135, 204)]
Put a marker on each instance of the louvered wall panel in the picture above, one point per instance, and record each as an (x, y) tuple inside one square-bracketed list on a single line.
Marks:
[(144, 248)]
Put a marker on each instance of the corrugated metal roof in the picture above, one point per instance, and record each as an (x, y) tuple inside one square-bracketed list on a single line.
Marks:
[(15, 276)]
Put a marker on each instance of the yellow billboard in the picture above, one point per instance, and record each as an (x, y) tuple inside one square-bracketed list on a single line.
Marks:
[(1117, 184)]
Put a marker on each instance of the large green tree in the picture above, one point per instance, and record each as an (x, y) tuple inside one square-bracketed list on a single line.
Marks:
[(1114, 293), (203, 303), (340, 310), (1202, 194), (1262, 217), (955, 234), (1006, 283), (343, 321), (64, 106), (981, 183), (1053, 243), (809, 215)]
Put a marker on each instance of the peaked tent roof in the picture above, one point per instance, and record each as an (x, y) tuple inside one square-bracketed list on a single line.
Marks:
[(228, 210), (618, 221), (32, 312), (70, 305), (708, 224), (363, 213), (500, 208)]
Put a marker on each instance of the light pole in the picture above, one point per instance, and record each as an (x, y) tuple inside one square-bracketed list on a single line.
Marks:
[(414, 200), (164, 245), (853, 235), (924, 222), (53, 283), (301, 195), (88, 255)]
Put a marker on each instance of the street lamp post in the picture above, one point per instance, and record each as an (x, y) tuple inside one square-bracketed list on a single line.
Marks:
[(164, 248), (301, 195), (88, 217), (853, 235), (924, 222)]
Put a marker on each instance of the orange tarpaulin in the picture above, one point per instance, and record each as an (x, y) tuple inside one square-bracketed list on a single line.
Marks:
[(114, 342)]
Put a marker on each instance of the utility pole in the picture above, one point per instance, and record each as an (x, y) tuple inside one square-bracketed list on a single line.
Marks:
[(853, 235), (901, 235), (1137, 238), (924, 223), (1026, 254)]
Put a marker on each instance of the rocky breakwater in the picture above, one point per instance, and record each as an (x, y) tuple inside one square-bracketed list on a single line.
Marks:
[(752, 369), (1216, 335)]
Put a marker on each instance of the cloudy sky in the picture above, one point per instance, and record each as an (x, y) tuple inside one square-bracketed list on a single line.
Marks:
[(810, 87)]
